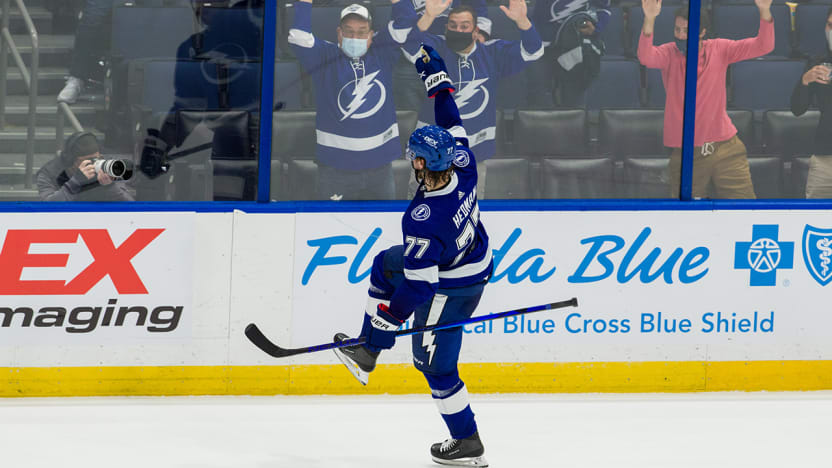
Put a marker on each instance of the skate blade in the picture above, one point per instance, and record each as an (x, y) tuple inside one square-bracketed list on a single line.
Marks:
[(469, 461), (356, 371)]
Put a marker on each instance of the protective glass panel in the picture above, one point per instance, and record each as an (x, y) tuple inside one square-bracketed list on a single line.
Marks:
[(156, 100), (553, 98), (754, 139)]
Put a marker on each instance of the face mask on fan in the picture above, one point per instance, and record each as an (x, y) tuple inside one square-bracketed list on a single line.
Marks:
[(354, 48)]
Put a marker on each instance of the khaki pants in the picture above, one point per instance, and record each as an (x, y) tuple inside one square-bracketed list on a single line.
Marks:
[(723, 164), (819, 182)]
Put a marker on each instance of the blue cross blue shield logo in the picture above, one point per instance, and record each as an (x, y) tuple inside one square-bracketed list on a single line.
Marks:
[(764, 255), (817, 253)]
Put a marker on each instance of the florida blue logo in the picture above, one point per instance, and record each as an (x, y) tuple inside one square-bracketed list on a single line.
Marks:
[(764, 255), (817, 253), (420, 213)]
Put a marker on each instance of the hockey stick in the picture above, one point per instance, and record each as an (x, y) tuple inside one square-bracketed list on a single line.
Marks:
[(259, 339)]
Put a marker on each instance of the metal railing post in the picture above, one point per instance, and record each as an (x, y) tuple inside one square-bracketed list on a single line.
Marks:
[(4, 50), (33, 93)]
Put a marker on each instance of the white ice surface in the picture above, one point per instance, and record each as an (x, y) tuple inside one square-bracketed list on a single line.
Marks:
[(523, 431)]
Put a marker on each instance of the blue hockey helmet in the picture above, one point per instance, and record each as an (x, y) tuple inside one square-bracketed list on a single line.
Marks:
[(434, 144)]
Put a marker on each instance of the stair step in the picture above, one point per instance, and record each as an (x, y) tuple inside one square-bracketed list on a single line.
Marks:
[(41, 17), (17, 110), (13, 139), (55, 50), (50, 81)]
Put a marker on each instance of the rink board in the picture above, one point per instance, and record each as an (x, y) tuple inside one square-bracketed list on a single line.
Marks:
[(155, 303)]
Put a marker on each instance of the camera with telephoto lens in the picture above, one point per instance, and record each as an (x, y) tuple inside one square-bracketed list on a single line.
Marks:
[(115, 168)]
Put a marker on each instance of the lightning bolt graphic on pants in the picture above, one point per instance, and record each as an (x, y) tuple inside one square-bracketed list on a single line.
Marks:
[(362, 87), (428, 338)]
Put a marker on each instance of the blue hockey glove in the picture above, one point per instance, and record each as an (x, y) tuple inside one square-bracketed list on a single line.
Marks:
[(382, 334), (433, 72)]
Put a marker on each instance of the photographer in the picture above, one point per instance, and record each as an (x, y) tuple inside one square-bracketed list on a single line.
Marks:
[(813, 87), (79, 173)]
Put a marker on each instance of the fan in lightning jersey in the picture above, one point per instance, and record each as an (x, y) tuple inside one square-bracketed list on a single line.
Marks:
[(478, 69), (438, 273), (441, 18), (356, 130)]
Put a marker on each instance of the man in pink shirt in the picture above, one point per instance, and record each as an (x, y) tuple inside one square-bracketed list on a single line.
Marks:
[(720, 157)]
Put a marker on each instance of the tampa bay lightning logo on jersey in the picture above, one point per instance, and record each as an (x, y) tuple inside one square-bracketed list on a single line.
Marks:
[(562, 9), (420, 213), (362, 98), (471, 94), (461, 159), (817, 253)]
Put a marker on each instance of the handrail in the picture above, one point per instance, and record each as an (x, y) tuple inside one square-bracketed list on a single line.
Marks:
[(65, 111), (30, 78)]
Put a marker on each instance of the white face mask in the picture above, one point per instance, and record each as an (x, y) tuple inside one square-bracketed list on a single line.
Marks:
[(829, 39), (354, 48)]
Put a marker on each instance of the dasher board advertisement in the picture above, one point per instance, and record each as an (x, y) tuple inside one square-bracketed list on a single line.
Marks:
[(96, 278), (651, 286)]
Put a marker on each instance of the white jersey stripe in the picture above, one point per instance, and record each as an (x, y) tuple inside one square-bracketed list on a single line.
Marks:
[(470, 269), (301, 38), (357, 144), (429, 274)]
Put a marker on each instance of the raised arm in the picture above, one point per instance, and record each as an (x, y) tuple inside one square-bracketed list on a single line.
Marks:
[(433, 8), (648, 54), (311, 52), (433, 72), (513, 56), (759, 45)]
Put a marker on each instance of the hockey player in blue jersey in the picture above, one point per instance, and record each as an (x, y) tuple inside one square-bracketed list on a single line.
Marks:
[(356, 129), (479, 68), (439, 271)]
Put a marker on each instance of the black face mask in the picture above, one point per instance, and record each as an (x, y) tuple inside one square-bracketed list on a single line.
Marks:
[(682, 45), (458, 41)]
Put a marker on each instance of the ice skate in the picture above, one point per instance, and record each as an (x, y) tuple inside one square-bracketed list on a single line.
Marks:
[(460, 452), (359, 360)]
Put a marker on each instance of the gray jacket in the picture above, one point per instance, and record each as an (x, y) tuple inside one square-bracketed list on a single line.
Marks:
[(55, 184)]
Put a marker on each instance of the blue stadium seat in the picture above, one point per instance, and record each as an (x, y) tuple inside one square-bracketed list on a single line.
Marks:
[(551, 133), (244, 85), (810, 22), (288, 86), (234, 32), (578, 178), (655, 89), (149, 32), (743, 21), (501, 26), (617, 86), (162, 85), (381, 16), (615, 35), (664, 26), (625, 133), (764, 84)]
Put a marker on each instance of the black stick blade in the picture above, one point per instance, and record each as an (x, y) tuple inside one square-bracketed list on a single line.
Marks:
[(259, 339)]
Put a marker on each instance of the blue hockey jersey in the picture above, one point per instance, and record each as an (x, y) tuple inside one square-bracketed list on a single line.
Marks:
[(445, 242), (356, 117), (476, 77)]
